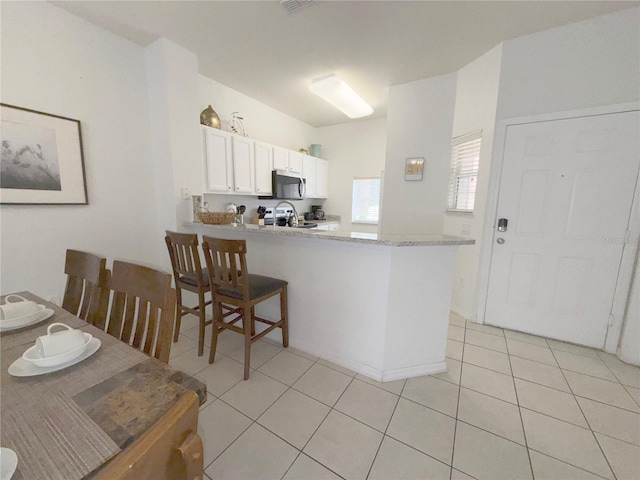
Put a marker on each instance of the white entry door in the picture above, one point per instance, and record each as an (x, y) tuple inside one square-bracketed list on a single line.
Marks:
[(566, 192)]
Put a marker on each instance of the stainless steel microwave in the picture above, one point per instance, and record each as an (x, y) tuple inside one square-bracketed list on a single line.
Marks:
[(287, 187)]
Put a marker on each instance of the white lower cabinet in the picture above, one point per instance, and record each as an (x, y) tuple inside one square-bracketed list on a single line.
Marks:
[(322, 178), (309, 174), (243, 165), (263, 154), (295, 162), (219, 167), (280, 159), (240, 165), (316, 172), (329, 226)]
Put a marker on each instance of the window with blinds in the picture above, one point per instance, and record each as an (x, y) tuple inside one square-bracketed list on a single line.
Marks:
[(365, 205), (465, 161)]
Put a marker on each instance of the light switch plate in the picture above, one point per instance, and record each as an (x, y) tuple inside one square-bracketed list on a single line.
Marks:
[(186, 193)]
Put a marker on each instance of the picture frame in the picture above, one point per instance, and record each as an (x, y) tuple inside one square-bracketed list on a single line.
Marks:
[(42, 161), (413, 169)]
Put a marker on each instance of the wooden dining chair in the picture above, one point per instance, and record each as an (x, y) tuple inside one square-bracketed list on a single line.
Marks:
[(170, 450), (189, 275), (142, 308), (86, 294), (236, 293)]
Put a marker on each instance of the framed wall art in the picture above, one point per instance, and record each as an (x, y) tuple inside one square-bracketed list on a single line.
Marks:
[(42, 161), (413, 168)]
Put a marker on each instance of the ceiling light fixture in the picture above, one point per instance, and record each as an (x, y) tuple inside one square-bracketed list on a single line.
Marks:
[(341, 96)]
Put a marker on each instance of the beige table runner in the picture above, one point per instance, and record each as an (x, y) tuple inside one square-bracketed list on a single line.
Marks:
[(49, 452), (51, 435)]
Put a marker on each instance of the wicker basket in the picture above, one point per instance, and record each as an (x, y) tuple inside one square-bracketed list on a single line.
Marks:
[(216, 218)]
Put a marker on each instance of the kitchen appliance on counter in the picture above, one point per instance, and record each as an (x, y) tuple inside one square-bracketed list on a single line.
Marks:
[(282, 217), (287, 187), (279, 216)]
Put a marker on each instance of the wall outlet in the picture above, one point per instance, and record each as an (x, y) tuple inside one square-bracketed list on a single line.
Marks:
[(186, 193)]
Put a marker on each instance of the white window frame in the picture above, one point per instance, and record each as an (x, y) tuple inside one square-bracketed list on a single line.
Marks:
[(358, 205), (465, 164)]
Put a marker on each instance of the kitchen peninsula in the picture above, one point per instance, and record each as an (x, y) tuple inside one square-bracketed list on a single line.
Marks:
[(376, 304)]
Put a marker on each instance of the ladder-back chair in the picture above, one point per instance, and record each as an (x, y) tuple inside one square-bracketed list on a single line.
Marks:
[(142, 308), (188, 275), (238, 292), (86, 294)]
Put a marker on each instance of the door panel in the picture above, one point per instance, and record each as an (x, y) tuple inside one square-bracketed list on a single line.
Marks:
[(566, 189), (533, 201)]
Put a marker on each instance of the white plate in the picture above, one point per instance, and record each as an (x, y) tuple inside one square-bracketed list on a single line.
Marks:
[(8, 463), (28, 320), (22, 368)]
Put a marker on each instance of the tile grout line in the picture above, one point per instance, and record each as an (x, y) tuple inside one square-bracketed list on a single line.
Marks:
[(587, 420), (256, 420), (384, 434), (455, 423), (399, 396), (524, 431)]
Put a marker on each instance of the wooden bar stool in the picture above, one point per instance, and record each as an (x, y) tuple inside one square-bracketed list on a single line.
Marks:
[(238, 292), (86, 294), (189, 275)]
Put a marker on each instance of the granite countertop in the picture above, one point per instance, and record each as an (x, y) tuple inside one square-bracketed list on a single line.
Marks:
[(339, 235)]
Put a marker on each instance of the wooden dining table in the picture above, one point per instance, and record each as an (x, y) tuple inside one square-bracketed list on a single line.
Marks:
[(67, 424)]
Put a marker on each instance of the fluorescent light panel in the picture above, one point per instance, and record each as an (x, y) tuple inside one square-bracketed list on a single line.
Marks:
[(340, 95)]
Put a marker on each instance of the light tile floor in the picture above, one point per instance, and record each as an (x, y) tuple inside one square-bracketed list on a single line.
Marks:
[(510, 406)]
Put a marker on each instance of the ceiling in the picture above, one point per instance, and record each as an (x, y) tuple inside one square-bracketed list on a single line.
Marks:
[(257, 48)]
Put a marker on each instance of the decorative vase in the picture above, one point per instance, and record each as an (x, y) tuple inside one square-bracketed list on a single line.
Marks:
[(314, 150), (210, 118)]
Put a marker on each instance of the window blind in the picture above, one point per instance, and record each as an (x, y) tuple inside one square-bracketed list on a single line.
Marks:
[(365, 203), (465, 162)]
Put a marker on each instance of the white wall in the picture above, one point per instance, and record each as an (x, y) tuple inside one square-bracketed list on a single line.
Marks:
[(56, 63), (629, 348), (419, 123), (261, 122), (586, 64), (475, 109), (172, 78), (355, 149)]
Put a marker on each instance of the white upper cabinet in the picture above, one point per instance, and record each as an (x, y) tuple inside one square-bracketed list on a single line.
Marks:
[(240, 165), (263, 154), (322, 178), (295, 162), (218, 156), (280, 159), (243, 165), (309, 174)]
